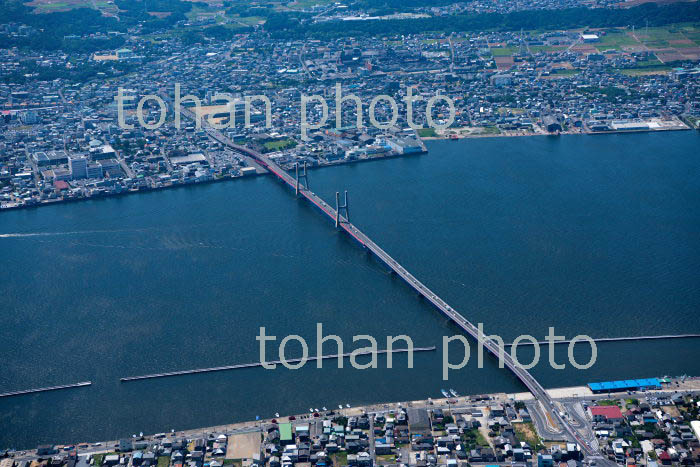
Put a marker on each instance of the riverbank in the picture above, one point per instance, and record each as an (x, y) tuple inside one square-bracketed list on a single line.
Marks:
[(146, 189), (456, 403), (653, 125)]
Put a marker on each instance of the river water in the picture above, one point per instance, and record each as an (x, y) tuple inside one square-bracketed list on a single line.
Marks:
[(596, 235)]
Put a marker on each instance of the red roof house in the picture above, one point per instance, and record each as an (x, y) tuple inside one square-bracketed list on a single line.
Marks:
[(605, 413), (60, 185)]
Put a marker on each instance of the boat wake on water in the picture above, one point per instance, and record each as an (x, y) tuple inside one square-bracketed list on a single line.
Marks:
[(53, 234)]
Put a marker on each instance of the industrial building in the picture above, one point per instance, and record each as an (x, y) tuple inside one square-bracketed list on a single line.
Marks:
[(625, 385)]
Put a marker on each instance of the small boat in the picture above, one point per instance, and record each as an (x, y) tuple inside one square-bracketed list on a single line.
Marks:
[(454, 393), (277, 414), (445, 393)]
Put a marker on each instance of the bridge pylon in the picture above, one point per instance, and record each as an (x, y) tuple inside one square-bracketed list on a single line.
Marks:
[(343, 207), (303, 177)]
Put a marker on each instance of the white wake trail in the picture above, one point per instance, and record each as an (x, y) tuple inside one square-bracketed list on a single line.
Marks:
[(53, 234)]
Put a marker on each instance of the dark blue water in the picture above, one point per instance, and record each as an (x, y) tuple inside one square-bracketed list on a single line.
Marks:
[(592, 235)]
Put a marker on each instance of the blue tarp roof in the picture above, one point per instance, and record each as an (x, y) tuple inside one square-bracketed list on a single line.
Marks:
[(624, 384)]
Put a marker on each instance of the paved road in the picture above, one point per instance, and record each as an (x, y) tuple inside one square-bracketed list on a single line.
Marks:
[(580, 421), (543, 427)]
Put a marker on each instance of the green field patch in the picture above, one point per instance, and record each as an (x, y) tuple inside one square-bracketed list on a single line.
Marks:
[(251, 20), (615, 40), (306, 4), (659, 37), (503, 51), (693, 121), (49, 7), (694, 36), (473, 438), (279, 144), (198, 10), (545, 48), (652, 62), (340, 458), (652, 66), (526, 432), (489, 130), (662, 70), (98, 459)]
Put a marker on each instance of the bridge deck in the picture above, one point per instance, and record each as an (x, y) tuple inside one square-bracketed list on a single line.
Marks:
[(368, 243), (493, 347)]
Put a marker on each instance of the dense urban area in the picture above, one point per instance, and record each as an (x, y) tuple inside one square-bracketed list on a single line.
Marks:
[(647, 422), (528, 67)]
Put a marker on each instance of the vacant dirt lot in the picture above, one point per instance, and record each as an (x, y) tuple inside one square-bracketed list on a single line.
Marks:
[(243, 446)]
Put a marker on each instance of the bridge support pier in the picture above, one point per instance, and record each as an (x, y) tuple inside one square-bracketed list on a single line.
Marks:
[(339, 207), (298, 177)]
